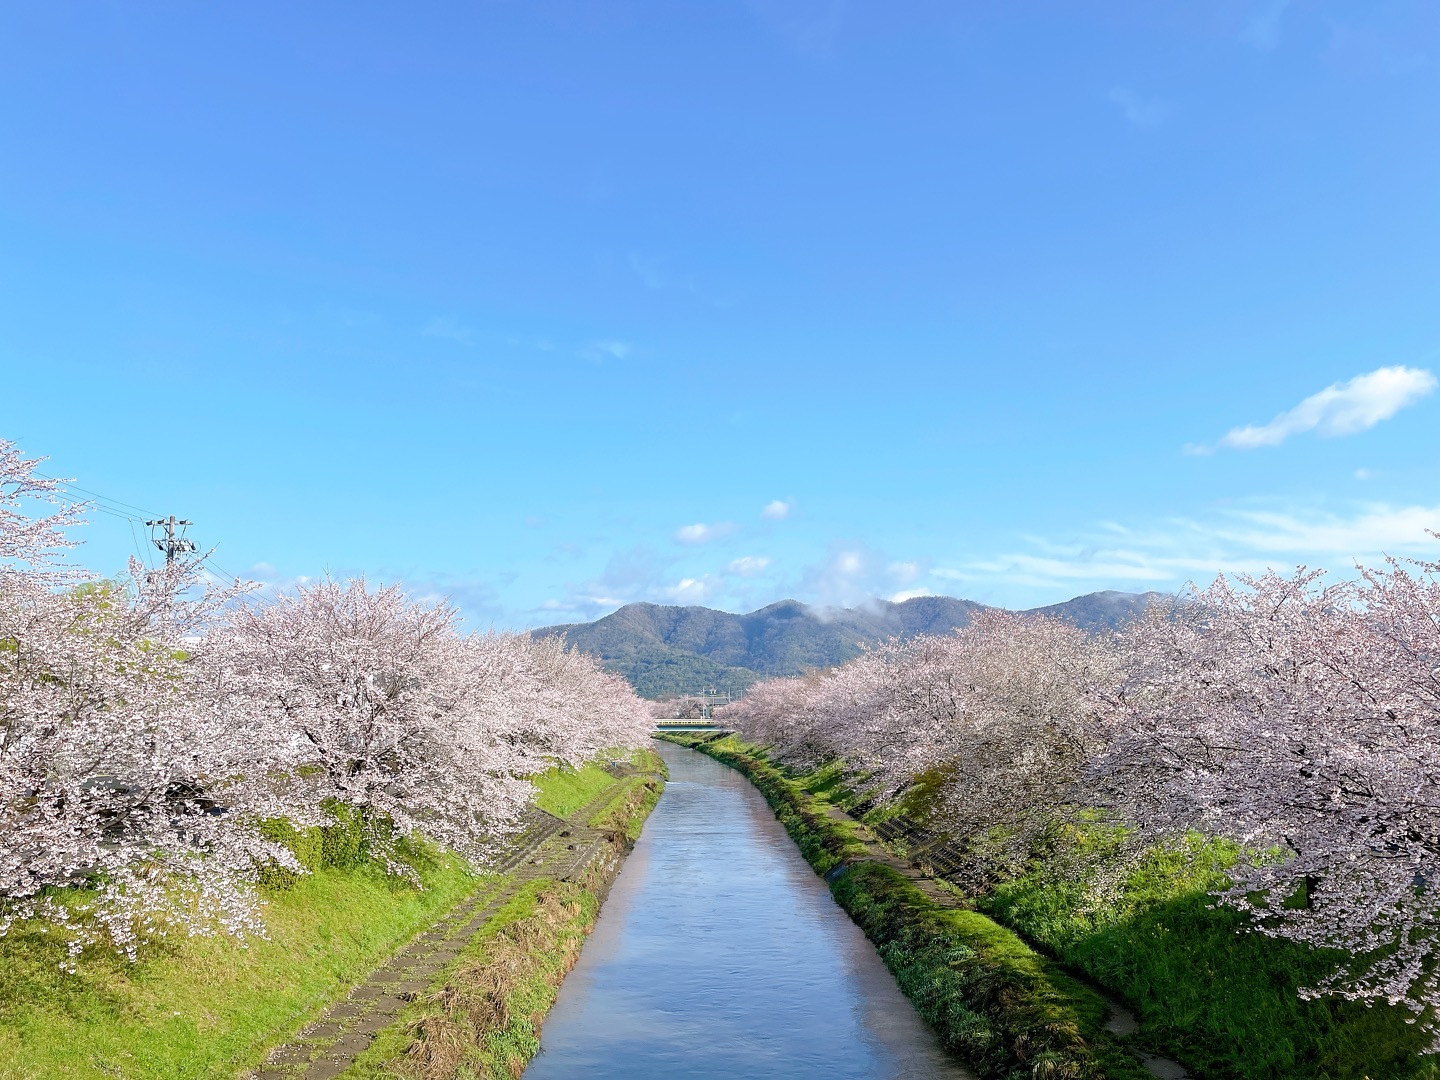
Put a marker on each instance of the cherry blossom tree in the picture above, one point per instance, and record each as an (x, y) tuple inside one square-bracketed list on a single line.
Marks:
[(30, 544), (116, 770), (149, 727), (1300, 718), (996, 721), (383, 706)]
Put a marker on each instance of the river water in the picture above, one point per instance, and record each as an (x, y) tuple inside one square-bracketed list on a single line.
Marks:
[(720, 953)]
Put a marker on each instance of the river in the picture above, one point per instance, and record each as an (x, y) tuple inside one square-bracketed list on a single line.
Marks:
[(720, 953)]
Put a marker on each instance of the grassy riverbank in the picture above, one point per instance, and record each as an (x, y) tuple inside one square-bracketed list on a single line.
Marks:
[(208, 1007), (483, 1018), (1222, 1001)]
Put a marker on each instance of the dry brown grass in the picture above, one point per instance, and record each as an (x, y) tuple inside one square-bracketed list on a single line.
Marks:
[(481, 994)]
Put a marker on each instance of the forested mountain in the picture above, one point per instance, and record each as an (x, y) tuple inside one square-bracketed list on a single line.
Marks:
[(666, 650)]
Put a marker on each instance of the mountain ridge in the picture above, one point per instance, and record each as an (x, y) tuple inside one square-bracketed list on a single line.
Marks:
[(666, 650)]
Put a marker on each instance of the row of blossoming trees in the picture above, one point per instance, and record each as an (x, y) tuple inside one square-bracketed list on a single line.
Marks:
[(1298, 717), (149, 729)]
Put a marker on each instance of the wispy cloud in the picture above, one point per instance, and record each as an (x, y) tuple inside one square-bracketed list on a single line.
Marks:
[(903, 573), (1262, 30), (1140, 111), (777, 509), (1340, 409), (651, 270), (811, 26), (853, 574), (701, 533), (659, 276), (1244, 540), (844, 579), (449, 328), (635, 573), (605, 349), (749, 565)]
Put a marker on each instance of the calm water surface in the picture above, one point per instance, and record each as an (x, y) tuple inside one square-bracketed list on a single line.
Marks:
[(720, 953)]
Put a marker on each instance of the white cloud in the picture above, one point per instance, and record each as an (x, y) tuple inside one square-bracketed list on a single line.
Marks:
[(749, 565), (450, 329), (1339, 409), (1364, 474), (847, 577), (701, 533), (1140, 111), (909, 594), (777, 509), (689, 590), (852, 573)]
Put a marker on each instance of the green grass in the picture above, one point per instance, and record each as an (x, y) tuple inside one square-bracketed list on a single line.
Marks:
[(564, 790), (208, 1007), (520, 958), (1219, 998), (630, 807), (495, 1052), (205, 1007)]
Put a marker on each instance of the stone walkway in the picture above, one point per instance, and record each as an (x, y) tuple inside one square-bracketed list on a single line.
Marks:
[(549, 846)]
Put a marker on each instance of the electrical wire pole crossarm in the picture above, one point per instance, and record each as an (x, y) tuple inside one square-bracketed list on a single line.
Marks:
[(171, 544)]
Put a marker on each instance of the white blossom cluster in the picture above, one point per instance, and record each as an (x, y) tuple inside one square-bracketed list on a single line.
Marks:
[(148, 728), (1298, 717)]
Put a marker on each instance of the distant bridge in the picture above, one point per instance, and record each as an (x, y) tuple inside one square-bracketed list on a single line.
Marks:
[(708, 702), (689, 725)]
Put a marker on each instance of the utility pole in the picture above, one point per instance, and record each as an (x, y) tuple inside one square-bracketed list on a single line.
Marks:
[(172, 545)]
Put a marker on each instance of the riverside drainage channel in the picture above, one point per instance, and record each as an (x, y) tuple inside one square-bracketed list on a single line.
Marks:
[(549, 846), (929, 856), (719, 953)]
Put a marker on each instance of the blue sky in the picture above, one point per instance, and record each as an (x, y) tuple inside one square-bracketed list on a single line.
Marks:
[(553, 306)]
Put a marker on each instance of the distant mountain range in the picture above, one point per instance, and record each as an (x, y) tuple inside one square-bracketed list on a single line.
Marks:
[(665, 651)]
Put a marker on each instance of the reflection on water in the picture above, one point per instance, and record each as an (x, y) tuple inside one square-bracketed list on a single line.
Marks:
[(721, 954)]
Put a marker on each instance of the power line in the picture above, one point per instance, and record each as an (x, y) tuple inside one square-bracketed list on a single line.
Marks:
[(140, 552), (72, 486)]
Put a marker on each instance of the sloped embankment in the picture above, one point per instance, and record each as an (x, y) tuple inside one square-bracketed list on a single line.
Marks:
[(348, 949), (469, 997)]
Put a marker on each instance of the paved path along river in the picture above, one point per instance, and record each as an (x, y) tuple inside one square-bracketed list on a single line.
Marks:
[(720, 953)]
